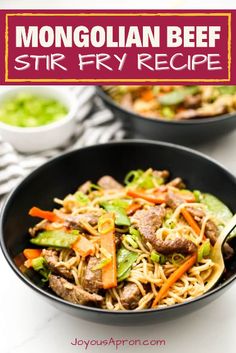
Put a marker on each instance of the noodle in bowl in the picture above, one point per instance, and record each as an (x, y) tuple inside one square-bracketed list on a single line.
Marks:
[(147, 273), (150, 266)]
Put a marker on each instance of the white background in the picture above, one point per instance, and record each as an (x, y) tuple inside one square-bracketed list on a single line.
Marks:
[(28, 324)]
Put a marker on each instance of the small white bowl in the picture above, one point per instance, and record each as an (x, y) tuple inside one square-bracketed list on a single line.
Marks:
[(36, 139)]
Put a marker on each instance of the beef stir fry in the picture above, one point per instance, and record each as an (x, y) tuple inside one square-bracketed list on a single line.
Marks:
[(175, 102), (122, 246)]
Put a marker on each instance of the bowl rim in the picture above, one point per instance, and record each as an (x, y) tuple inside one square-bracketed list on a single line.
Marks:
[(57, 299), (198, 121), (72, 108)]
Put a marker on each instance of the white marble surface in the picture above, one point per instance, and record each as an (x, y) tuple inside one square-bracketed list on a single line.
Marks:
[(29, 324)]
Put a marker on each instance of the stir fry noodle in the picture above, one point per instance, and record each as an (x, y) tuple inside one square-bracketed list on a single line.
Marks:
[(175, 102), (139, 245)]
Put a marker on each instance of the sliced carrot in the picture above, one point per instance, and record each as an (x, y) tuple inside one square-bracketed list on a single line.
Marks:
[(167, 89), (109, 272), (157, 199), (174, 277), (83, 246), (191, 221), (31, 254), (147, 95), (133, 208), (50, 216)]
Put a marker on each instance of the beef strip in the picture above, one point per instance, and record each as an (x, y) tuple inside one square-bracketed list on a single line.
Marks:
[(126, 101), (161, 174), (130, 296), (71, 222), (192, 101), (71, 292), (177, 183), (178, 245), (85, 187), (148, 221), (118, 238), (211, 230), (74, 222), (197, 213), (92, 219), (92, 280), (51, 256), (107, 182), (173, 200), (187, 114), (220, 106), (43, 225)]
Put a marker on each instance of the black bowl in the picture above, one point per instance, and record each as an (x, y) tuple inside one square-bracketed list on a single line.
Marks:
[(63, 174), (187, 132)]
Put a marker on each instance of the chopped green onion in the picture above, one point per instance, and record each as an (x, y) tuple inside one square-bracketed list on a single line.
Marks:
[(177, 258), (141, 179), (132, 176), (81, 197), (198, 195), (168, 112), (129, 239), (74, 231), (135, 233), (105, 224), (133, 237), (157, 257), (169, 223), (28, 110), (102, 263), (169, 213), (204, 250), (40, 265), (94, 187)]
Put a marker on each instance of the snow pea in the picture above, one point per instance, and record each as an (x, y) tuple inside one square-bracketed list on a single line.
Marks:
[(178, 96), (121, 218), (218, 209), (125, 260), (54, 238)]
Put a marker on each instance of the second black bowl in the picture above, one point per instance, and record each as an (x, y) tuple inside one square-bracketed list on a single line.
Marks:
[(64, 174), (186, 132)]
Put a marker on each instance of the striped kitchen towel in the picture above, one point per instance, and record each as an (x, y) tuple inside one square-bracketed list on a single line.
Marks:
[(96, 124)]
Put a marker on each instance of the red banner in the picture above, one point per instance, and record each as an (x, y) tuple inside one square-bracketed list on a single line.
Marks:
[(117, 47)]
